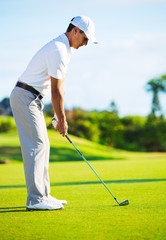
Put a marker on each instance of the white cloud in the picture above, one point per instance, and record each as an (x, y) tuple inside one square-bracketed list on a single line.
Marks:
[(142, 40), (146, 51), (150, 39), (123, 43)]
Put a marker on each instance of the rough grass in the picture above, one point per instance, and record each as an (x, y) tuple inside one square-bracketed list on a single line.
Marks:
[(91, 212)]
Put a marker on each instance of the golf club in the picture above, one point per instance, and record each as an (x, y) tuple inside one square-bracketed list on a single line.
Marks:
[(124, 202)]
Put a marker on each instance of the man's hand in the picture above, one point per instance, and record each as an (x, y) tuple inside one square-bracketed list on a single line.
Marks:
[(62, 127)]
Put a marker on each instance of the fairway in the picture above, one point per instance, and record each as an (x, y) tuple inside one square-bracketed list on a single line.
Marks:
[(91, 213)]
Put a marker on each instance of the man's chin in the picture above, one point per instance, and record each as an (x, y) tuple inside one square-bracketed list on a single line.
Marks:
[(77, 47)]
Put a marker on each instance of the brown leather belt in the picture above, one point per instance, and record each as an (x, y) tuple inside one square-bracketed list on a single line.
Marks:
[(30, 89)]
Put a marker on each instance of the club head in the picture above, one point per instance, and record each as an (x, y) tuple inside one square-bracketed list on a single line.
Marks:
[(124, 202)]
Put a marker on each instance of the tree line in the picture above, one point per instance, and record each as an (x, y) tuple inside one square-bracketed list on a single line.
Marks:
[(134, 133)]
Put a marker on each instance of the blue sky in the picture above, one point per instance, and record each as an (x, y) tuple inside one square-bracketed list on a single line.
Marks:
[(131, 49)]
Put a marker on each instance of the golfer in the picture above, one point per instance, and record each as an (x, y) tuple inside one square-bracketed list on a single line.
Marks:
[(46, 71)]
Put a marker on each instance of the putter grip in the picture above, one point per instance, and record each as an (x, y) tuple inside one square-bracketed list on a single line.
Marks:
[(54, 121), (68, 138)]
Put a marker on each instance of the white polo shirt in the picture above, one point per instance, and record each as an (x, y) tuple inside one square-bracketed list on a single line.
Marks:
[(51, 60)]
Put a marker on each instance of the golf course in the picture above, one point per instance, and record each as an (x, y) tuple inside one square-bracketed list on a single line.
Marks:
[(91, 212)]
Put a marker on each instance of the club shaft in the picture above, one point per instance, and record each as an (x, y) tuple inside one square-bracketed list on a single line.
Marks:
[(91, 168)]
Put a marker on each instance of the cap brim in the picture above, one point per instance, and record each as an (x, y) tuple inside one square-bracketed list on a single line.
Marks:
[(92, 38)]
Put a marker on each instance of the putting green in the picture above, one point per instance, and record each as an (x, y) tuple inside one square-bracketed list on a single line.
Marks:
[(91, 212)]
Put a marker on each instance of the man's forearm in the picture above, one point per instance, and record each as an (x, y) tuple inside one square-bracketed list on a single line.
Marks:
[(57, 102)]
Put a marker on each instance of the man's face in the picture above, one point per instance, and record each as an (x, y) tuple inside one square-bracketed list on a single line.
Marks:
[(80, 39)]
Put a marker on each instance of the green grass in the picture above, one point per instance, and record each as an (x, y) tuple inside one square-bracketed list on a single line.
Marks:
[(91, 212)]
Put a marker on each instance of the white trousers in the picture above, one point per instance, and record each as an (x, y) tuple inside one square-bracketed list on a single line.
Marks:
[(35, 147)]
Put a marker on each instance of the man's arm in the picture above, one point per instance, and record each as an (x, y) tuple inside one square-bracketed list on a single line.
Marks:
[(57, 94)]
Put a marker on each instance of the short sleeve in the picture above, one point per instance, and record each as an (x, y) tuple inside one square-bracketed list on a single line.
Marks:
[(55, 65)]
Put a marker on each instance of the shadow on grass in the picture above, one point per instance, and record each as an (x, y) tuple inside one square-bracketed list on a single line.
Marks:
[(66, 154), (11, 153), (17, 209), (56, 155), (92, 182), (13, 209)]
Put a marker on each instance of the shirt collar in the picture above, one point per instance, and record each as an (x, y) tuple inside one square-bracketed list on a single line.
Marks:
[(66, 41)]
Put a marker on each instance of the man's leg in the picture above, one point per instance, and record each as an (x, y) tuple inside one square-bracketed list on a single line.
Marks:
[(34, 141)]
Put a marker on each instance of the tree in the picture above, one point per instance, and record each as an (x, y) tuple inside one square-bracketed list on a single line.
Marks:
[(155, 86), (113, 108), (5, 108)]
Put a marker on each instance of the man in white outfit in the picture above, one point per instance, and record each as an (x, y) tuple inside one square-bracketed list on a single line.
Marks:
[(45, 71)]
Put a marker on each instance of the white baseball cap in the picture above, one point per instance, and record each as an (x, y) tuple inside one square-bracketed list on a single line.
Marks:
[(86, 25)]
